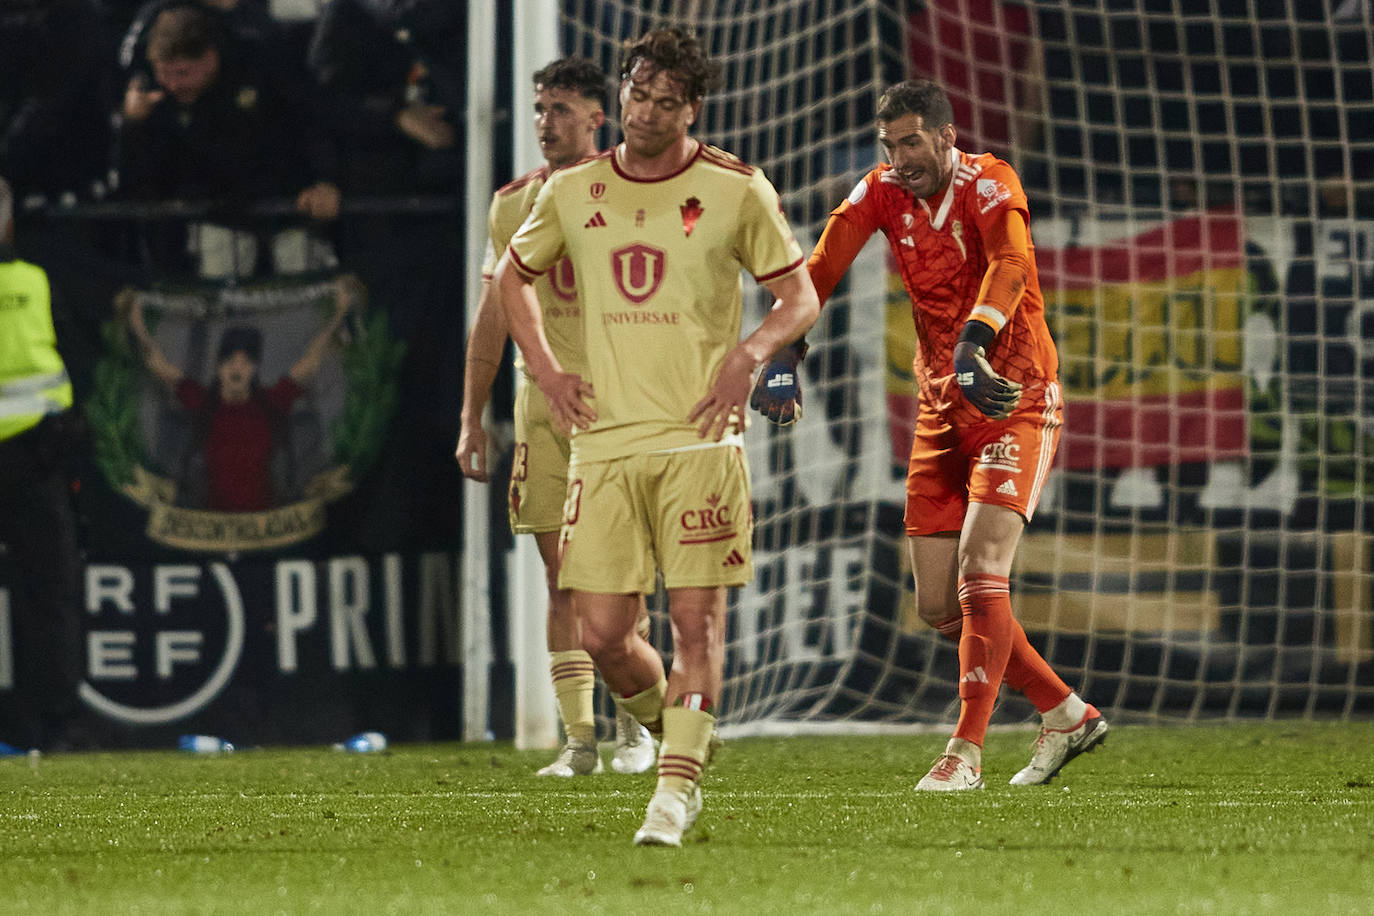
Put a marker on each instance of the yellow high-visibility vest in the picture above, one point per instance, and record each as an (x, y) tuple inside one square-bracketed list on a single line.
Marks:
[(33, 378)]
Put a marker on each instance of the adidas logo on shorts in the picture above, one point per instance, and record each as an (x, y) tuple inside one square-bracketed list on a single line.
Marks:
[(734, 559), (1008, 488)]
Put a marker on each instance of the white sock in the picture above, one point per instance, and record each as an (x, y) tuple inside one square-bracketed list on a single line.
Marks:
[(971, 753), (1067, 714)]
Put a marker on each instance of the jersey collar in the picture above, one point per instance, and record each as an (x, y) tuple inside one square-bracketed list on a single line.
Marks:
[(937, 220)]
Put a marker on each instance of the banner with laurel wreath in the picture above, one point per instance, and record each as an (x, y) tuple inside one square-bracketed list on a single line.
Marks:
[(234, 414)]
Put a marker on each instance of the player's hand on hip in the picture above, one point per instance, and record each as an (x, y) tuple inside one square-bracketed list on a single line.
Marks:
[(569, 398), (992, 394), (778, 392), (723, 406), (472, 453)]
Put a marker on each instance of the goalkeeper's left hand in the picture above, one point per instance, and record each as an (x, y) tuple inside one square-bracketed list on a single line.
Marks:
[(995, 396), (777, 393)]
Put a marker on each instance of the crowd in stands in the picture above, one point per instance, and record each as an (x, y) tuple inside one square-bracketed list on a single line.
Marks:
[(154, 140), (220, 100)]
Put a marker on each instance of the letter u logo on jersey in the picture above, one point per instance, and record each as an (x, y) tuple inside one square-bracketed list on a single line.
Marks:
[(638, 271), (562, 281)]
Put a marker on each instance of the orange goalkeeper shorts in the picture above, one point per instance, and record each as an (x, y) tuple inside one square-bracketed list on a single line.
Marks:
[(999, 462)]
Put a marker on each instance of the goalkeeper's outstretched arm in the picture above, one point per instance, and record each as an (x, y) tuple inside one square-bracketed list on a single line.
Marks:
[(778, 391), (794, 311)]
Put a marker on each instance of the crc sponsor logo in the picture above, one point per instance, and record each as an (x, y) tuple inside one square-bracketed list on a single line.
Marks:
[(638, 271), (707, 524), (563, 281), (1002, 455)]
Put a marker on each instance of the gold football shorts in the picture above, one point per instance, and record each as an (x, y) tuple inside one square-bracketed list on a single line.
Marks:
[(539, 469), (685, 513)]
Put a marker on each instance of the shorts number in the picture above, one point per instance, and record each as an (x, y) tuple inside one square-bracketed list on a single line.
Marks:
[(520, 464)]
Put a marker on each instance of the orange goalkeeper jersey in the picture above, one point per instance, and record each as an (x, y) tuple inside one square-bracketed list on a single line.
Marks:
[(943, 247)]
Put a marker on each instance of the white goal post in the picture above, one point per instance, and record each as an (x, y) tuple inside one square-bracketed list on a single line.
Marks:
[(1202, 197)]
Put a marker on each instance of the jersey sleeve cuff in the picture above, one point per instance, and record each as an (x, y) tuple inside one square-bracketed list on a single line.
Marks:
[(989, 316), (525, 270), (764, 278)]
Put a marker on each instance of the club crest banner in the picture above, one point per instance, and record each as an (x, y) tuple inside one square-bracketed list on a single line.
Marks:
[(233, 415)]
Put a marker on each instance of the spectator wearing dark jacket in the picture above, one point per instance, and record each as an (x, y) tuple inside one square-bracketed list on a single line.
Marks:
[(219, 126), (390, 79), (211, 125), (54, 97)]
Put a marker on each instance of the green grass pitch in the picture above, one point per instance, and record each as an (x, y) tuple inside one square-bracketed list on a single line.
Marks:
[(1219, 819)]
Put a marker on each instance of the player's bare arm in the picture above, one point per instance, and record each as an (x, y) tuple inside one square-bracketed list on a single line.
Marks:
[(482, 361), (129, 304), (349, 293), (568, 393), (794, 311)]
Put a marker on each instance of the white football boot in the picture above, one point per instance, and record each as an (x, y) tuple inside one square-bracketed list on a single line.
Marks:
[(669, 816), (950, 773), (576, 759), (1055, 747), (635, 748)]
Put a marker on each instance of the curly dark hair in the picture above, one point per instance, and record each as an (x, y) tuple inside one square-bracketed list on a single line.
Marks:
[(677, 51), (576, 74), (918, 97)]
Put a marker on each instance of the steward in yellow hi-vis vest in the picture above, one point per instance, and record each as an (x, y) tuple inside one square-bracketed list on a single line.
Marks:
[(40, 580), (33, 378)]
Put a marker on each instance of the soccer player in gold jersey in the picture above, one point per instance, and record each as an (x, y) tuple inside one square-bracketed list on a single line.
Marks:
[(990, 410), (568, 97), (658, 230)]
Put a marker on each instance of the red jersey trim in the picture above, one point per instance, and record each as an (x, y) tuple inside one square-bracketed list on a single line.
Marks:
[(615, 165), (717, 156), (526, 271), (511, 187), (781, 273)]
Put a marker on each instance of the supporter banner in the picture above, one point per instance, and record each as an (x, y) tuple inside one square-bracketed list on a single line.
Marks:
[(1149, 324), (233, 415)]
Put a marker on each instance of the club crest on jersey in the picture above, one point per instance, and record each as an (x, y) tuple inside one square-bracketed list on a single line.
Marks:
[(991, 192), (691, 212), (562, 280), (1002, 455), (638, 271), (597, 189)]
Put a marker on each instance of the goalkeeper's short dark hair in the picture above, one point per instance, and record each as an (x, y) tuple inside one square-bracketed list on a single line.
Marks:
[(919, 97), (678, 51), (576, 74)]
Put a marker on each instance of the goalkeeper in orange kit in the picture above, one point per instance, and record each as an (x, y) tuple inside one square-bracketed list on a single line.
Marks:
[(989, 416)]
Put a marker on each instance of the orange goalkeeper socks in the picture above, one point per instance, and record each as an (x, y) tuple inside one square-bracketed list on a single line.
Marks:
[(984, 648), (1027, 671)]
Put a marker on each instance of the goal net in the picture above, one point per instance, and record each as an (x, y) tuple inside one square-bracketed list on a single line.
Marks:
[(1199, 177)]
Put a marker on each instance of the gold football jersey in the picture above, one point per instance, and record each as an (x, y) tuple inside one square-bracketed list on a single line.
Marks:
[(557, 288), (658, 266)]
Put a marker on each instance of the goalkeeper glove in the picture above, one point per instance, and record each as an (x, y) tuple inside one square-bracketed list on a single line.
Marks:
[(777, 393), (995, 396)]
